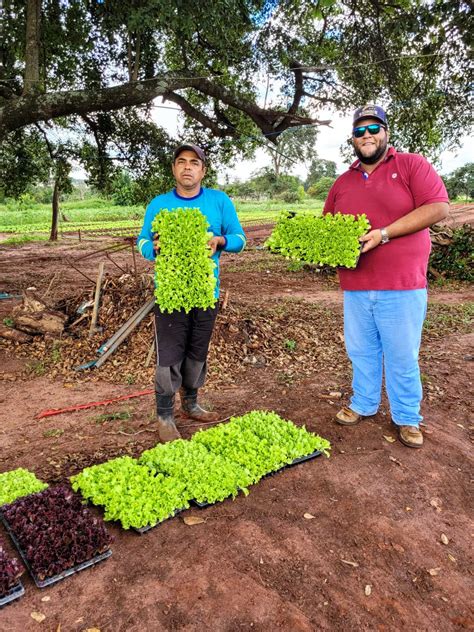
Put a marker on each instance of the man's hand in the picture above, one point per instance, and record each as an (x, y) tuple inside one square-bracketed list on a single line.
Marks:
[(371, 240), (156, 243), (215, 242)]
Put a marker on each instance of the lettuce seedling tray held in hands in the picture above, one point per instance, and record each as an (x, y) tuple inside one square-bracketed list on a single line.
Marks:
[(14, 593), (43, 583)]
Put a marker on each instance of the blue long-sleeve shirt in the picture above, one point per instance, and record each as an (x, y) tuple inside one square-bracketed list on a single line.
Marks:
[(219, 211)]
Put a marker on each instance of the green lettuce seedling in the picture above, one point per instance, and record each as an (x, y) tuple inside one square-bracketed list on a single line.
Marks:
[(331, 239), (18, 483), (184, 269), (134, 494)]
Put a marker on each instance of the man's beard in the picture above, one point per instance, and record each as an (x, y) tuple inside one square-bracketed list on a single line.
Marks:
[(370, 160)]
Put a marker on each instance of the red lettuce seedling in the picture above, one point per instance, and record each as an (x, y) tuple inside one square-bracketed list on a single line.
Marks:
[(10, 572), (55, 531)]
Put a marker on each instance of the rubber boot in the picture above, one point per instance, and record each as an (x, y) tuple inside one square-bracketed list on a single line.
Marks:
[(167, 430), (190, 407)]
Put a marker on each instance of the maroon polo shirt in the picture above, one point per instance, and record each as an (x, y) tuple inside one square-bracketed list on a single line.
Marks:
[(398, 185)]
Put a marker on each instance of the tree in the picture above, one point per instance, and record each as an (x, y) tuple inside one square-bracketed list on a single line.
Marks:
[(74, 60), (320, 189), (292, 147), (320, 168), (461, 182)]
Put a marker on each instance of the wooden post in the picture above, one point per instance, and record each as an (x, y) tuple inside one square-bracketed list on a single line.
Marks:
[(134, 260), (226, 300), (95, 311)]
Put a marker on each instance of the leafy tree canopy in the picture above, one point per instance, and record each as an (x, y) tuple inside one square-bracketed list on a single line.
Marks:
[(320, 168), (460, 183), (91, 64)]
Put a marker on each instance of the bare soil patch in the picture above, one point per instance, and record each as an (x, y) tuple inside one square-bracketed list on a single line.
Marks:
[(255, 563)]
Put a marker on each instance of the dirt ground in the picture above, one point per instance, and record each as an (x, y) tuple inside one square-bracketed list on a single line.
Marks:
[(371, 555)]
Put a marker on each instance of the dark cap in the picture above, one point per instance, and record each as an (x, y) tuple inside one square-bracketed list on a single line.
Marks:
[(197, 150), (370, 111)]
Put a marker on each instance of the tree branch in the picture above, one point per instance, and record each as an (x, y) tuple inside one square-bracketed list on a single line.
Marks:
[(199, 116), (33, 108)]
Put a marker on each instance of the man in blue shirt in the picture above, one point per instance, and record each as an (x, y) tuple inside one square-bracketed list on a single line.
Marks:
[(182, 340)]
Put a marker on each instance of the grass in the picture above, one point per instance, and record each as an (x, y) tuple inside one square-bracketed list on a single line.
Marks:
[(121, 415), (20, 240), (37, 217)]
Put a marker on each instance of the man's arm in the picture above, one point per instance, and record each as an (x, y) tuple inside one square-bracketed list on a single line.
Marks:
[(145, 244), (233, 237), (412, 222)]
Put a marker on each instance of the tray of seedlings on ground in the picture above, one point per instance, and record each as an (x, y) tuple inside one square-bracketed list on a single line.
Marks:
[(208, 477), (261, 442), (136, 495), (18, 483), (327, 240), (11, 587), (55, 534), (184, 269)]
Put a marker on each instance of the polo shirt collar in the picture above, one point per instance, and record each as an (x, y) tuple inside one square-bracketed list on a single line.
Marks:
[(391, 153)]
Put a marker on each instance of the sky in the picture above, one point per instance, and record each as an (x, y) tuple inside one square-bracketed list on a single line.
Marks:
[(328, 146)]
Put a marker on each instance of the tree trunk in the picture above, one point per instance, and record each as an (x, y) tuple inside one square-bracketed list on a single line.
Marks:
[(54, 220), (32, 48)]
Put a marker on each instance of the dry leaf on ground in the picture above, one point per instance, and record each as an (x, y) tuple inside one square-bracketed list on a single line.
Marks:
[(308, 516), (444, 538), (368, 590), (38, 616), (434, 571), (192, 520), (389, 438)]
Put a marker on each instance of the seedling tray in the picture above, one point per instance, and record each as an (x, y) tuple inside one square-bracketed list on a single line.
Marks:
[(142, 530), (362, 244), (14, 593), (300, 459), (43, 583)]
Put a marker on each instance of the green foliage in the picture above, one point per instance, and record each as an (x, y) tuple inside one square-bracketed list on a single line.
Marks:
[(331, 239), (456, 260), (131, 493), (18, 483), (293, 146), (208, 477), (320, 189), (320, 168), (213, 465), (184, 268), (260, 442), (460, 183)]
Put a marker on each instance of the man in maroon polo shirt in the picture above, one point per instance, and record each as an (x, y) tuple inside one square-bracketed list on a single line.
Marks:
[(385, 297)]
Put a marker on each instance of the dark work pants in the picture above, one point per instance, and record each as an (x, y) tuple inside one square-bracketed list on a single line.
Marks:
[(182, 345)]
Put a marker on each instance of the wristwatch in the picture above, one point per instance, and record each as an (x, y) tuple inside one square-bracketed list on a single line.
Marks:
[(385, 237)]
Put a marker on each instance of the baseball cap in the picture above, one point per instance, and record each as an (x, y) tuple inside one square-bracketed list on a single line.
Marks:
[(370, 111), (197, 150)]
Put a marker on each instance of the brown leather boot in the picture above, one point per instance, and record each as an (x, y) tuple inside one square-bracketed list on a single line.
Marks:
[(191, 409), (167, 430)]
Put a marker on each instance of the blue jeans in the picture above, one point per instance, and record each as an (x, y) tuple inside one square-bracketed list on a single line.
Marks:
[(382, 329)]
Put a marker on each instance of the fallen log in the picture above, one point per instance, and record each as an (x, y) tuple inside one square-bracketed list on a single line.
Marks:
[(13, 334), (35, 317)]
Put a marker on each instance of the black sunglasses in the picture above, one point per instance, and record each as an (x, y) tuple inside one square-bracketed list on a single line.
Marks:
[(373, 128)]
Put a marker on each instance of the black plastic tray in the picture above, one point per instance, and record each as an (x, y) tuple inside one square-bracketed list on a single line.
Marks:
[(300, 459), (43, 583), (142, 530), (14, 593)]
